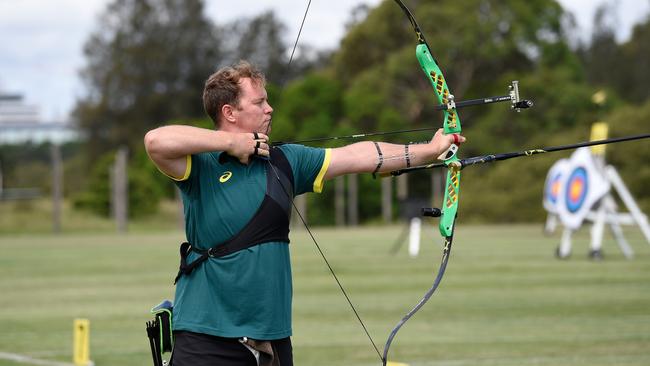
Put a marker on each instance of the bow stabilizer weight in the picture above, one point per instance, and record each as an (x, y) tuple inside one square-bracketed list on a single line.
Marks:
[(431, 212)]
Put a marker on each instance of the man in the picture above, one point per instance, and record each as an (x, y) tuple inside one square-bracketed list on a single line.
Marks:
[(233, 302)]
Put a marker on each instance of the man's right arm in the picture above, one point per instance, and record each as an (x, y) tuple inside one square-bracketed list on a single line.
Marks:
[(169, 146)]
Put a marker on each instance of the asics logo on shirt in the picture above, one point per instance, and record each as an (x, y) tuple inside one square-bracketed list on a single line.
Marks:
[(225, 176)]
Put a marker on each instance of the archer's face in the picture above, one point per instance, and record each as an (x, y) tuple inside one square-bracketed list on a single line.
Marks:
[(254, 111)]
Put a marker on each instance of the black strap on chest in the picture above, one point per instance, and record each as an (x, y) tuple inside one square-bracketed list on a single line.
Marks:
[(269, 223)]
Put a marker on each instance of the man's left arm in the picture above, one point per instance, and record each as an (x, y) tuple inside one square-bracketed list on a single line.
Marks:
[(371, 157)]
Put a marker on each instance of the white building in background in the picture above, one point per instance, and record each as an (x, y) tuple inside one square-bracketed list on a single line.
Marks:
[(20, 122)]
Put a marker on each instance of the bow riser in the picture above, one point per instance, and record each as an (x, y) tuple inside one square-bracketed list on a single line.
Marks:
[(451, 124)]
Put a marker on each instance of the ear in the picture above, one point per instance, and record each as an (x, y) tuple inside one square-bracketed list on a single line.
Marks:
[(228, 113)]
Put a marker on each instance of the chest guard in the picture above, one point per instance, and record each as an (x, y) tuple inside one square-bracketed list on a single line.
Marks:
[(270, 223)]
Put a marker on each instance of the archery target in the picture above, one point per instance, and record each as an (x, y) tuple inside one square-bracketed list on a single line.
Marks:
[(554, 185), (583, 186), (577, 187)]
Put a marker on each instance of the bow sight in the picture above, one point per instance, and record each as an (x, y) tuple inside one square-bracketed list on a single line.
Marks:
[(512, 97)]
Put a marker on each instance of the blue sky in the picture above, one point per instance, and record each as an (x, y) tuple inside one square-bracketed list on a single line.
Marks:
[(41, 41)]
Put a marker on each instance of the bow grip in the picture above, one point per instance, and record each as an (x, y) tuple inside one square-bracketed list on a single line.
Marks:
[(450, 153)]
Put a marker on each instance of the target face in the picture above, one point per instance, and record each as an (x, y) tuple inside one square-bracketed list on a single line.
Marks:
[(573, 187), (577, 187), (553, 188)]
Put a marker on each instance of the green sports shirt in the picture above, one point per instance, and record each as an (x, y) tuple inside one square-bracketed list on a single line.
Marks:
[(247, 293)]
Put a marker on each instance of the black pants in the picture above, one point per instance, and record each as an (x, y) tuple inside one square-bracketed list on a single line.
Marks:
[(195, 349)]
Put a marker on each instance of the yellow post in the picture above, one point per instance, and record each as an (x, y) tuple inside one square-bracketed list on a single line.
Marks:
[(81, 342), (396, 364), (599, 131)]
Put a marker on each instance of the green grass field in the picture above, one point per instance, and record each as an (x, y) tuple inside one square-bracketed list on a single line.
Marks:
[(505, 300)]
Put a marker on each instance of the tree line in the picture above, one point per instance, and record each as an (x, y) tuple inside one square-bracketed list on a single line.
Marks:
[(147, 60)]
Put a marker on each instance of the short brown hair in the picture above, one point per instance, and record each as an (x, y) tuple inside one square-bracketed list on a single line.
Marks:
[(222, 87)]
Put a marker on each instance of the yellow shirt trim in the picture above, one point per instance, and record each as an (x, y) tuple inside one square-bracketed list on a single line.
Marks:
[(320, 181), (188, 169)]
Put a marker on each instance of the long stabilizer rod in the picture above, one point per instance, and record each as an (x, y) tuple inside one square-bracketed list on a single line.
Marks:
[(462, 163)]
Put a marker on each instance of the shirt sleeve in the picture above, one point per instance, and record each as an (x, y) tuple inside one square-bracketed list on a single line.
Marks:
[(188, 169), (309, 165), (191, 177)]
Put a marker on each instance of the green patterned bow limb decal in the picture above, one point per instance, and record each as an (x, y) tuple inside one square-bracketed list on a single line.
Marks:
[(433, 72), (450, 202)]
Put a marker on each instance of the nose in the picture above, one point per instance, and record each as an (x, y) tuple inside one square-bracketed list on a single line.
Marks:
[(268, 108)]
